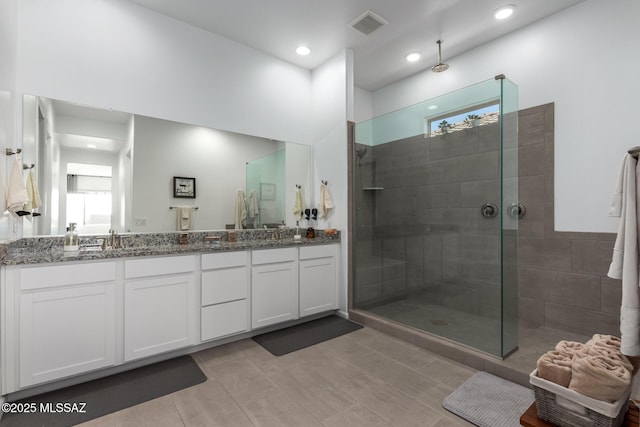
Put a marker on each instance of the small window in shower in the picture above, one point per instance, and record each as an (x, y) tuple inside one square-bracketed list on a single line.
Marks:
[(477, 115)]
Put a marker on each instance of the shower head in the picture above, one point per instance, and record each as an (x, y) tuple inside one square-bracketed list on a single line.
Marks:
[(361, 152), (440, 66)]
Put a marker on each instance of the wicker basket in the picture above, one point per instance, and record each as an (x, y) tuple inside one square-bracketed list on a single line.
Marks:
[(566, 408)]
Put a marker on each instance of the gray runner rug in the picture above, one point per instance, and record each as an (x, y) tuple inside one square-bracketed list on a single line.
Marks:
[(305, 335), (99, 397), (488, 401)]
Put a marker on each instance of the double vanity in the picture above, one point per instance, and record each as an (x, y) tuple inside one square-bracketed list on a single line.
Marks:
[(66, 315)]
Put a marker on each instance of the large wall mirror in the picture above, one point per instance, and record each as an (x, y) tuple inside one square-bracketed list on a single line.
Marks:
[(104, 169)]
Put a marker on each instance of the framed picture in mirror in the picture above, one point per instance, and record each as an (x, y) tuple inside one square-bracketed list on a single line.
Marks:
[(184, 187), (267, 191)]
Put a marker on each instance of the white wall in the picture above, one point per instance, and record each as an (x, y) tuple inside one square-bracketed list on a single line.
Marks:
[(8, 105), (111, 53), (585, 60), (330, 101)]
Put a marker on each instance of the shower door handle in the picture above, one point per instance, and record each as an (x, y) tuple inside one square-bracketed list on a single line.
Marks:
[(489, 210)]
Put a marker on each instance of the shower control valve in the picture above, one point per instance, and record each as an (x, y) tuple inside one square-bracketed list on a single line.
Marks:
[(489, 210)]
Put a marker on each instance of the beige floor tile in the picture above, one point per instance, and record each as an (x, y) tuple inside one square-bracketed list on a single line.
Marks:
[(159, 412), (364, 378), (208, 404), (242, 380), (394, 406), (355, 416), (311, 390), (446, 372), (278, 410), (396, 374)]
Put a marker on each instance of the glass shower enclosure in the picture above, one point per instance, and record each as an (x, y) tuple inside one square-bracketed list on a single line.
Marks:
[(435, 199)]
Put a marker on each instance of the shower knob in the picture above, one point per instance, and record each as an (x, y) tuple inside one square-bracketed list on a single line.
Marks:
[(489, 210), (516, 210)]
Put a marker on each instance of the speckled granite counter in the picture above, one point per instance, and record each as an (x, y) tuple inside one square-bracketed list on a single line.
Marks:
[(41, 250)]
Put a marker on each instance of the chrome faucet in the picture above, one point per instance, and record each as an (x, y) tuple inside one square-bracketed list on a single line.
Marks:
[(114, 241)]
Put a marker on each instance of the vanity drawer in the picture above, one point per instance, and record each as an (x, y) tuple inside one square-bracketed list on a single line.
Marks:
[(224, 319), (224, 260), (268, 256), (227, 284), (68, 274), (159, 266), (320, 251)]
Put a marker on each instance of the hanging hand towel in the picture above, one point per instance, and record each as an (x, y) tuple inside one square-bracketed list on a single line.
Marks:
[(16, 193), (33, 193), (298, 204), (326, 203), (254, 207), (240, 220), (183, 214), (624, 263)]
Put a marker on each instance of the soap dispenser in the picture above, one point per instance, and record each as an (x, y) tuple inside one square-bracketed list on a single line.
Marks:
[(297, 236), (71, 238)]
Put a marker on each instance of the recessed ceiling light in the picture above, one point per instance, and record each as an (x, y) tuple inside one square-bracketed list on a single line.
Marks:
[(412, 56), (432, 107), (303, 50), (91, 146), (504, 12)]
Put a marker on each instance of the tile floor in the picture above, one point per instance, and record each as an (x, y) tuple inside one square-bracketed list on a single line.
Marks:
[(365, 378)]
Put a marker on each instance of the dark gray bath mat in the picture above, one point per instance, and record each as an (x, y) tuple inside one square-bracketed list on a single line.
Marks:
[(488, 401), (305, 334), (109, 394)]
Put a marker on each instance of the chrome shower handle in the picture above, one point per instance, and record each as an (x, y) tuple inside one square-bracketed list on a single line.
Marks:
[(516, 210), (489, 210)]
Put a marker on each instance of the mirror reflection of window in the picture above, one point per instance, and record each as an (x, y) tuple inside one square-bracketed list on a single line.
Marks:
[(89, 197)]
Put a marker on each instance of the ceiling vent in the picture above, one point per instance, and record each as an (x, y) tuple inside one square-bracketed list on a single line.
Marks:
[(368, 22)]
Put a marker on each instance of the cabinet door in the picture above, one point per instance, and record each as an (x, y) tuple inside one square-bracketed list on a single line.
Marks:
[(274, 293), (158, 315), (65, 332), (318, 286)]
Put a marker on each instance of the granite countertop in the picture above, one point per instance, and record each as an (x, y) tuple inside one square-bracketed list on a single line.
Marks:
[(50, 250)]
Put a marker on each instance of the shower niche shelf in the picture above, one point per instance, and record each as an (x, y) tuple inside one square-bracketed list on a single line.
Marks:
[(373, 189)]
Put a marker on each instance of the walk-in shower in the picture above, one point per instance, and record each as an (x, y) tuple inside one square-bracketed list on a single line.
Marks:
[(434, 244)]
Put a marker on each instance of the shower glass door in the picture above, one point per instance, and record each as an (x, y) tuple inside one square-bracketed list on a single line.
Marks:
[(435, 220)]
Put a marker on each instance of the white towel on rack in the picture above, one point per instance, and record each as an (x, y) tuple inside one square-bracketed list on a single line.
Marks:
[(298, 204), (624, 264), (16, 192), (183, 216), (254, 207), (240, 220), (326, 204), (33, 193)]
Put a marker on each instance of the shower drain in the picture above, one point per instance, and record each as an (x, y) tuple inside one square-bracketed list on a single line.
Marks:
[(438, 322)]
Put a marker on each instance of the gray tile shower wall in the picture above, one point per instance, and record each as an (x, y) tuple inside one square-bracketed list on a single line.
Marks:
[(424, 226), (424, 229), (562, 275)]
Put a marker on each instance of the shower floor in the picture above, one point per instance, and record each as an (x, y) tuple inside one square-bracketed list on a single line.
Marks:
[(477, 331), (473, 330)]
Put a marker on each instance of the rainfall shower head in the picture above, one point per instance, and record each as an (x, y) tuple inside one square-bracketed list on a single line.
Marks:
[(440, 66), (361, 152)]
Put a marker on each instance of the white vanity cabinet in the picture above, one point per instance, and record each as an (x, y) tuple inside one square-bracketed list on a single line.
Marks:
[(274, 286), (225, 280), (318, 279), (159, 305), (60, 321)]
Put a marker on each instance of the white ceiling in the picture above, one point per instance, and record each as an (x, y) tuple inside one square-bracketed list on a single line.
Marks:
[(278, 26)]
